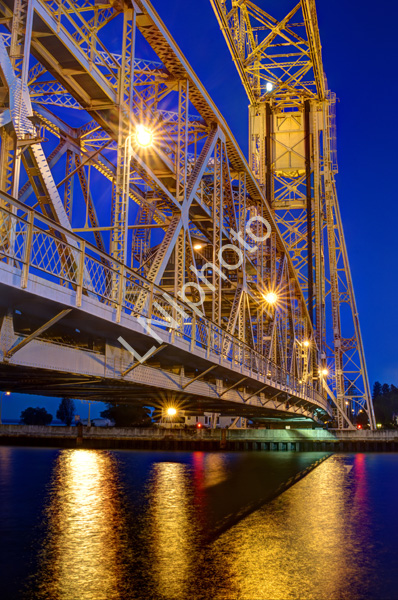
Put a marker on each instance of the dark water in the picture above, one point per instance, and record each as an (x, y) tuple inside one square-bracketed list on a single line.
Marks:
[(87, 524)]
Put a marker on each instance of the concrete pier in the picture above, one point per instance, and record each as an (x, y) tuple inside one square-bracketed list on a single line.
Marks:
[(281, 440)]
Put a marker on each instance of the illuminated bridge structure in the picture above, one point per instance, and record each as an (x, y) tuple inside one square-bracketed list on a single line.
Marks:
[(131, 222)]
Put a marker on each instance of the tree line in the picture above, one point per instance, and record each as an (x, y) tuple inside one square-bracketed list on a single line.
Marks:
[(40, 416), (123, 415), (385, 403)]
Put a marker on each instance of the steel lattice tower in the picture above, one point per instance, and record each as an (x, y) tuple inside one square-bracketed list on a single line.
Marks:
[(292, 153), (103, 238)]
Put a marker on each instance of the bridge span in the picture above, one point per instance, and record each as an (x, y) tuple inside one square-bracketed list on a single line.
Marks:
[(142, 258), (74, 350)]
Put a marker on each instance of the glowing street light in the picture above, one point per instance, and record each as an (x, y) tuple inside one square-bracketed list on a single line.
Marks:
[(171, 411), (270, 297), (143, 136), (269, 87), (306, 343), (197, 246), (325, 372)]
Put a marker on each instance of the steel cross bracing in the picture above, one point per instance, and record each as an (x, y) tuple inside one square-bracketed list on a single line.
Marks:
[(292, 146), (124, 232)]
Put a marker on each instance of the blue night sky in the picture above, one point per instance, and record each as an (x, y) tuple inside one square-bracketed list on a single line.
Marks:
[(358, 45)]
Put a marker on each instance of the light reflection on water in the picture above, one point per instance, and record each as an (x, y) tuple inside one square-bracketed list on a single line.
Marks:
[(134, 525), (170, 525), (304, 544), (80, 558)]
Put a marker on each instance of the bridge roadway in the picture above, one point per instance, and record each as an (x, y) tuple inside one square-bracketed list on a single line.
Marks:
[(199, 365)]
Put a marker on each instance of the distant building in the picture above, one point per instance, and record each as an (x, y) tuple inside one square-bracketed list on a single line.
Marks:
[(221, 422), (181, 420)]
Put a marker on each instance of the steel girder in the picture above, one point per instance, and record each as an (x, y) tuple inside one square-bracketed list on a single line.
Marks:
[(162, 214), (293, 157)]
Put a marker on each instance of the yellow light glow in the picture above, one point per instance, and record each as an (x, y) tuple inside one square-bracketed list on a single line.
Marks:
[(306, 343), (197, 246), (325, 372), (8, 393), (143, 136), (346, 403), (270, 297), (85, 524), (269, 86), (378, 425), (171, 411)]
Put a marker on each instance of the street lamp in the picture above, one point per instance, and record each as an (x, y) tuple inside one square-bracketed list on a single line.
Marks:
[(1, 404), (171, 411), (270, 297), (143, 136)]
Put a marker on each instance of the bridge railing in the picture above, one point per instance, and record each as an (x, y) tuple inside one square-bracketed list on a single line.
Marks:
[(34, 245)]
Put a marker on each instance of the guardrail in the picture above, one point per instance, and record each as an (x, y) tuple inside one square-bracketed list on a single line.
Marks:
[(36, 245)]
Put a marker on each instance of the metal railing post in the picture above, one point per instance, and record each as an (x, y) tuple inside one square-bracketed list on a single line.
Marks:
[(120, 295), (150, 302), (80, 274), (27, 250), (193, 332)]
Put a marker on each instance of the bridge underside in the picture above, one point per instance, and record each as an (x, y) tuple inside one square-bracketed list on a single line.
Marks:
[(53, 384)]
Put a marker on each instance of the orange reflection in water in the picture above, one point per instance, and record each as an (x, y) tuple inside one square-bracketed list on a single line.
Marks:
[(304, 544), (172, 529), (80, 553), (215, 470)]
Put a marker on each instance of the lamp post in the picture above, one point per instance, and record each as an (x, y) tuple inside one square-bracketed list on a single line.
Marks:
[(1, 403)]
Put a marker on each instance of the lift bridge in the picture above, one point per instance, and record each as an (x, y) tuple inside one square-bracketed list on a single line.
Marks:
[(142, 257)]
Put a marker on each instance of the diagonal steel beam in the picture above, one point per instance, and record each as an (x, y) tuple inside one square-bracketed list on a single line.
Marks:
[(257, 392), (138, 362), (36, 333), (232, 386), (199, 376)]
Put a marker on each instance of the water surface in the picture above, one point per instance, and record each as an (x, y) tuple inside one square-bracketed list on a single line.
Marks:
[(92, 524)]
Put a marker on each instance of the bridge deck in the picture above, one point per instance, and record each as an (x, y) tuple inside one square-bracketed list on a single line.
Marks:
[(95, 373), (242, 355)]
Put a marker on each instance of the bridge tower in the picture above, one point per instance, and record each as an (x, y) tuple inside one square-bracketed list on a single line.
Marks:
[(292, 154)]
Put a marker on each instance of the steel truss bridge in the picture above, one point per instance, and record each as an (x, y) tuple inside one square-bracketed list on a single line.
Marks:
[(110, 249)]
